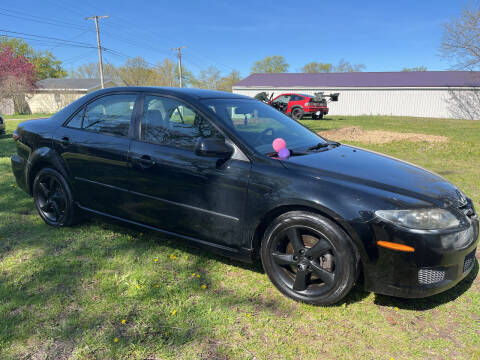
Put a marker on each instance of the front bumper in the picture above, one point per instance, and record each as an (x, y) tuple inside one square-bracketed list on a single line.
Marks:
[(435, 266)]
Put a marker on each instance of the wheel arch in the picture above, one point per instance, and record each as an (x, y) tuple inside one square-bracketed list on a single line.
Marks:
[(268, 217), (41, 158)]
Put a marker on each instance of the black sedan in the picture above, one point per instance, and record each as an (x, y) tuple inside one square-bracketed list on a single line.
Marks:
[(233, 174)]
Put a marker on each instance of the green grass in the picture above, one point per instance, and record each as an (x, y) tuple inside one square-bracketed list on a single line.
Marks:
[(65, 292), (25, 117)]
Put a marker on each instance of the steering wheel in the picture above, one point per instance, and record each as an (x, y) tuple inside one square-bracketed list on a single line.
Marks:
[(262, 134)]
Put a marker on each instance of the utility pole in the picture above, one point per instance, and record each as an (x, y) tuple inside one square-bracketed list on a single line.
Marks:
[(100, 63), (179, 49)]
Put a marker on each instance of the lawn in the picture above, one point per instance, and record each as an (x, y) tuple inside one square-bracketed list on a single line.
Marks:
[(104, 291)]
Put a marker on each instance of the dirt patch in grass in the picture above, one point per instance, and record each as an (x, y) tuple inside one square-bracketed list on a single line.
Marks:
[(355, 133)]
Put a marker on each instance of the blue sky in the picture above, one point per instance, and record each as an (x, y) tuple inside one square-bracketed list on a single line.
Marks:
[(384, 35)]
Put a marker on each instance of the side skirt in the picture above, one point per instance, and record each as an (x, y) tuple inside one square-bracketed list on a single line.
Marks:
[(242, 254)]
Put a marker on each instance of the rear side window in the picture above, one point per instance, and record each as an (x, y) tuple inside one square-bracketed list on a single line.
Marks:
[(296, 98), (110, 114)]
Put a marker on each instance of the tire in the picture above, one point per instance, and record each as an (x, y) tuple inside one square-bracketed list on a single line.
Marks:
[(53, 199), (297, 113), (320, 116), (309, 258)]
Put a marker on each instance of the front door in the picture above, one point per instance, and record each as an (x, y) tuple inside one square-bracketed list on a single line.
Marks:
[(177, 190), (94, 145)]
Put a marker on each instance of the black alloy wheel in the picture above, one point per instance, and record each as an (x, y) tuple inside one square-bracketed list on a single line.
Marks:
[(53, 198), (309, 258), (297, 113)]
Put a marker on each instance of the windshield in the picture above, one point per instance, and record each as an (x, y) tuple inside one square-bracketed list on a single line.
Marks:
[(259, 124)]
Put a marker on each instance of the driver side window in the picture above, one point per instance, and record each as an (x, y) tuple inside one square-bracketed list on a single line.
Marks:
[(170, 122)]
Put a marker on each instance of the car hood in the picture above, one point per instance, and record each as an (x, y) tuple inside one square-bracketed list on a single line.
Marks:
[(348, 163)]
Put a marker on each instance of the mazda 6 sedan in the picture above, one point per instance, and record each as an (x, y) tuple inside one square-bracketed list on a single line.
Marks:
[(237, 176)]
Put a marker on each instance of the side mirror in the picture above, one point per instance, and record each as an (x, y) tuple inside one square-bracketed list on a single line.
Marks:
[(213, 147)]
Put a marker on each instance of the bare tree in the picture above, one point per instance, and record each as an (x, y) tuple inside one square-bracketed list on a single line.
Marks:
[(345, 66), (87, 71), (461, 44), (461, 39), (416, 68), (465, 103)]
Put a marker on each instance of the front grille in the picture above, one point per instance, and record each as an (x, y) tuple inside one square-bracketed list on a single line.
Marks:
[(469, 261), (429, 276)]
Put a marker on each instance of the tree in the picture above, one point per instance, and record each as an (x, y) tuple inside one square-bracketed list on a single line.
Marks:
[(345, 66), (227, 82), (208, 79), (461, 39), (87, 71), (17, 78), (167, 74), (461, 45), (317, 67), (417, 68), (45, 64), (270, 64), (136, 72)]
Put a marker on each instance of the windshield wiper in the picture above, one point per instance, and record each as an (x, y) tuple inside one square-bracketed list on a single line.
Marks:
[(323, 145), (318, 146)]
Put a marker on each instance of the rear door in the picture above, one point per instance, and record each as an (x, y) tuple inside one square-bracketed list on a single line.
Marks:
[(94, 144), (177, 190)]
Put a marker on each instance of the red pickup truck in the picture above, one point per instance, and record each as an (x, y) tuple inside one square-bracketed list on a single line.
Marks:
[(299, 105)]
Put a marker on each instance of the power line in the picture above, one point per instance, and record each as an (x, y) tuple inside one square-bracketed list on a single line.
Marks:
[(37, 19), (76, 43), (100, 64)]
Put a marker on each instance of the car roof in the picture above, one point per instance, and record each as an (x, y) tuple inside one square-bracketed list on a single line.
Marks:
[(191, 93), (296, 94)]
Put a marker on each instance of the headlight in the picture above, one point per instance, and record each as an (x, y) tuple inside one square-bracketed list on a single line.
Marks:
[(422, 219)]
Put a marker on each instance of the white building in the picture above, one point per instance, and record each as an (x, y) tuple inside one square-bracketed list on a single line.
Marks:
[(439, 94), (52, 95)]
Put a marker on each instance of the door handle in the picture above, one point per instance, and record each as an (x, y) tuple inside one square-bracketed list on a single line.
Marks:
[(145, 161), (65, 140)]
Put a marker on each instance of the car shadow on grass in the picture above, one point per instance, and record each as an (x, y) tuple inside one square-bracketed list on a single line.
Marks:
[(430, 302), (356, 294)]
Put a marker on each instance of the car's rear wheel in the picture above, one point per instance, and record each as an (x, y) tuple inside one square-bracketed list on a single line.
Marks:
[(309, 258), (53, 198), (297, 113)]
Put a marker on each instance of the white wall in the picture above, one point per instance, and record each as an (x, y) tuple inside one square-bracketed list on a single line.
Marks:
[(48, 102), (419, 102)]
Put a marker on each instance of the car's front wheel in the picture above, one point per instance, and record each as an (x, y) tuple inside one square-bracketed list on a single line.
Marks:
[(53, 198), (309, 258)]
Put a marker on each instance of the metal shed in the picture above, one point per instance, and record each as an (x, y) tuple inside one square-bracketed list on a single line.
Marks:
[(439, 94)]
